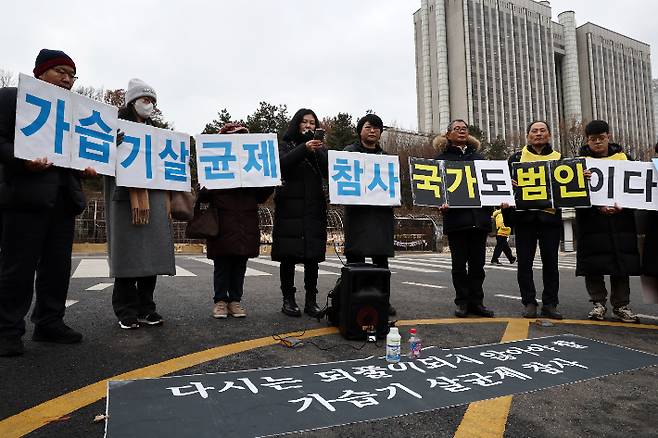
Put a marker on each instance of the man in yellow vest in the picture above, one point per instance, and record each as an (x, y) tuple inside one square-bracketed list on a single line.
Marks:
[(537, 226)]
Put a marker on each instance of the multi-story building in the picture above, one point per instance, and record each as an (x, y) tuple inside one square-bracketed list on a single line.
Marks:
[(500, 64)]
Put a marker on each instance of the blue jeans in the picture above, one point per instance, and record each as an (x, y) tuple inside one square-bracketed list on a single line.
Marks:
[(229, 278)]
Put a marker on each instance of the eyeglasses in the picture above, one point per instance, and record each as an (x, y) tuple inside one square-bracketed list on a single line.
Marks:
[(460, 129), (371, 128), (63, 72)]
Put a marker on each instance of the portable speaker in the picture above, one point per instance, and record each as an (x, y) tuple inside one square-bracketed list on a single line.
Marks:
[(364, 300)]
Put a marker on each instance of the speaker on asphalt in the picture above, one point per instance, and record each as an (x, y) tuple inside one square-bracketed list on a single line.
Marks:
[(363, 296)]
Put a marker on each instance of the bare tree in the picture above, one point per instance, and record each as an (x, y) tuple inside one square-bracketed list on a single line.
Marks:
[(573, 136), (7, 79), (91, 92)]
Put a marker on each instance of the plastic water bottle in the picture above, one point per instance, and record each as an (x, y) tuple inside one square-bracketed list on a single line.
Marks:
[(414, 344), (393, 345)]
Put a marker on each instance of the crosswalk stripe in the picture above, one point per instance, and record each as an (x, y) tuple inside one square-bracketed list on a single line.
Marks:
[(297, 268), (98, 268), (69, 303), (251, 272), (433, 286), (100, 286), (390, 265)]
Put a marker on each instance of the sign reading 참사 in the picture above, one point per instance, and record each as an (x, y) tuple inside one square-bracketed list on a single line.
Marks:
[(265, 402), (364, 179), (68, 129)]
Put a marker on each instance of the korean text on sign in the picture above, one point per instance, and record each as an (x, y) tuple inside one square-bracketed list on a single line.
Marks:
[(237, 160), (364, 179), (69, 129)]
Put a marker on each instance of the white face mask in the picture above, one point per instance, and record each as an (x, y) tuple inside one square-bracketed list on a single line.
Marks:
[(144, 110)]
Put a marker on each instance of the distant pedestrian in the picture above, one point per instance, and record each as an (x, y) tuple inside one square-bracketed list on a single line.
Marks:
[(502, 234)]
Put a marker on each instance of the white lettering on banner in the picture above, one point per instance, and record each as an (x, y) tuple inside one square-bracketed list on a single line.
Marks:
[(237, 160), (364, 179), (629, 184), (69, 129), (153, 158)]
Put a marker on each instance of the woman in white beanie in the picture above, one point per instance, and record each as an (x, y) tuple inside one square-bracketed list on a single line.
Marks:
[(139, 232)]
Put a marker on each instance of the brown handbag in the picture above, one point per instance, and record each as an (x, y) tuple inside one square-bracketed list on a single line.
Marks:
[(204, 224), (182, 206)]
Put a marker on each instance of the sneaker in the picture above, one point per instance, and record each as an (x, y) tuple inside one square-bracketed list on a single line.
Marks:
[(625, 314), (59, 334), (236, 310), (461, 311), (153, 318), (512, 260), (598, 312), (480, 310), (12, 346), (495, 262), (220, 310), (530, 311), (129, 323), (551, 312)]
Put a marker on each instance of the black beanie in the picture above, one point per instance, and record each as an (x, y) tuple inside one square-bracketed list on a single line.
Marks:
[(596, 127), (373, 119), (47, 59)]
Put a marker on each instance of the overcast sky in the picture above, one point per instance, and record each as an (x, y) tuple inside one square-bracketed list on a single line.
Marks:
[(200, 56)]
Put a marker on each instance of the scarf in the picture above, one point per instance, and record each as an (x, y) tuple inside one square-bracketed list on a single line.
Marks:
[(139, 206)]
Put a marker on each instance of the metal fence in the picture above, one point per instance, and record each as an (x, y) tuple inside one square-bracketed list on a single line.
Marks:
[(412, 233)]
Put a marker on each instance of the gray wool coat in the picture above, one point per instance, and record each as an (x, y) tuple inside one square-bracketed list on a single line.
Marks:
[(137, 250)]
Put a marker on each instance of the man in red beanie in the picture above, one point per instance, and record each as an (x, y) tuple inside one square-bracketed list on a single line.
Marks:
[(38, 205)]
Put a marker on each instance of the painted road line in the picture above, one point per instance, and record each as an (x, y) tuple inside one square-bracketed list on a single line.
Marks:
[(100, 286), (390, 265), (434, 286), (69, 303), (38, 416), (297, 268), (98, 268), (511, 297), (487, 419), (251, 272), (92, 268), (655, 318)]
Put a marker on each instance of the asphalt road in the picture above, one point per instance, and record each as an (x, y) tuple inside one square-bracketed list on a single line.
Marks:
[(619, 405)]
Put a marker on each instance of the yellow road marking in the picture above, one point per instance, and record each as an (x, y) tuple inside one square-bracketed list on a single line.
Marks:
[(487, 419), (38, 416)]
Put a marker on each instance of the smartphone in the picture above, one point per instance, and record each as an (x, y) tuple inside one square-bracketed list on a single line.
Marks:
[(319, 134)]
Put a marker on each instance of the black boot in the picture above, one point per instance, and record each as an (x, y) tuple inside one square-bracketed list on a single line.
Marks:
[(290, 306), (311, 307)]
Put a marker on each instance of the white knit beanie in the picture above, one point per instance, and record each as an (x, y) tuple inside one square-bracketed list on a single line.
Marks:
[(138, 88)]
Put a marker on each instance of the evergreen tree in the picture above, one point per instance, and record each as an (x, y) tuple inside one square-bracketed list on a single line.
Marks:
[(223, 117), (269, 118), (340, 131)]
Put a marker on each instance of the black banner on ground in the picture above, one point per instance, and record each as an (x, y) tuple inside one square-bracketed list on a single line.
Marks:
[(533, 190), (569, 186), (283, 400), (427, 182)]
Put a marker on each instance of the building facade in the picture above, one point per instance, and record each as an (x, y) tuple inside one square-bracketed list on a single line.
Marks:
[(500, 64)]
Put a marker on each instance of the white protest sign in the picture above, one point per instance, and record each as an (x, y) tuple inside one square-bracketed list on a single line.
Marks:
[(364, 179), (153, 158), (629, 184), (237, 160), (69, 129), (43, 122), (494, 182)]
